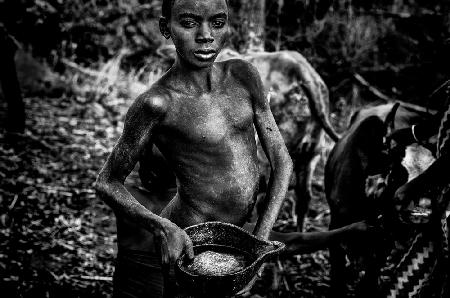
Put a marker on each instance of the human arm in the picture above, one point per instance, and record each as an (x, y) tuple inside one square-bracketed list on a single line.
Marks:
[(276, 152), (141, 118), (307, 242)]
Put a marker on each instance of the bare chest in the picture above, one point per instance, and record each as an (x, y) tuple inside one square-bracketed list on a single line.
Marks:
[(210, 117)]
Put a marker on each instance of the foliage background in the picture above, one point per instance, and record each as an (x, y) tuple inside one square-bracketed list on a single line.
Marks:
[(82, 62)]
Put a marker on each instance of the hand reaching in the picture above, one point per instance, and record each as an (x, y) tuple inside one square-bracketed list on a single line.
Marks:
[(361, 227)]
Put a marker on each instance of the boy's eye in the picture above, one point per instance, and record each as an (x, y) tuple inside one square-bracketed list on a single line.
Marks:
[(218, 23), (188, 23)]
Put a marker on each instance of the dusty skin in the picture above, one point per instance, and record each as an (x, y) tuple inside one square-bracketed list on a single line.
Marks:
[(201, 115)]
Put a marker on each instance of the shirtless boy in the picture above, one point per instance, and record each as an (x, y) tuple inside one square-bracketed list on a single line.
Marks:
[(201, 115)]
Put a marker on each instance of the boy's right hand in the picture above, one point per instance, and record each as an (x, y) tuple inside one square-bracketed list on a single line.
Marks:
[(173, 241)]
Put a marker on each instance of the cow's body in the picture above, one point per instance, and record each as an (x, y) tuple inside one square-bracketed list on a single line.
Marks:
[(298, 93), (356, 156), (299, 101)]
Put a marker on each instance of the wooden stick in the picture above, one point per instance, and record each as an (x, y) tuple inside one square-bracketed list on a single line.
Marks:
[(371, 88), (13, 203), (388, 99), (86, 71)]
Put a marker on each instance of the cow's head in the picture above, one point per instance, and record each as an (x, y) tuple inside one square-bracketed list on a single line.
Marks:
[(369, 136), (403, 164)]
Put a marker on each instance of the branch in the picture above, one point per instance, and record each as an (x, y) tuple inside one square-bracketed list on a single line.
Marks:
[(402, 15), (86, 71), (388, 99), (445, 87), (371, 88)]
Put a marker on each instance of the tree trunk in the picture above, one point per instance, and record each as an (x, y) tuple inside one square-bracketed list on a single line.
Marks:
[(15, 122), (254, 21)]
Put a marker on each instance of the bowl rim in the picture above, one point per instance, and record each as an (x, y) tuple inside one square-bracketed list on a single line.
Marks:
[(278, 247)]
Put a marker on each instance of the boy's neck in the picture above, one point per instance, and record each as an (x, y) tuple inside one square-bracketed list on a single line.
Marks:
[(200, 79)]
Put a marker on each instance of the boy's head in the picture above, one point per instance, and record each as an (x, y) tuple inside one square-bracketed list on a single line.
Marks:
[(198, 28), (166, 10)]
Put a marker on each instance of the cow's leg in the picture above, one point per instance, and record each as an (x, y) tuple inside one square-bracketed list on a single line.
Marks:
[(368, 285), (303, 188), (306, 162), (310, 173), (337, 271), (303, 198)]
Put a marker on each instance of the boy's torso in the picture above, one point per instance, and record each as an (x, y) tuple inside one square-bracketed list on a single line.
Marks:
[(208, 140)]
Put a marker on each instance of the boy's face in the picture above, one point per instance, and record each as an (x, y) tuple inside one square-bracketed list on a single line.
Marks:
[(198, 29)]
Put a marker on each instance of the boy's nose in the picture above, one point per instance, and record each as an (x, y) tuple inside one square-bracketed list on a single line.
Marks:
[(204, 34)]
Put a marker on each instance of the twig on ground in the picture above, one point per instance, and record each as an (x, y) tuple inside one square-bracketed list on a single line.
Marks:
[(96, 278), (86, 71), (40, 142), (283, 276), (13, 203)]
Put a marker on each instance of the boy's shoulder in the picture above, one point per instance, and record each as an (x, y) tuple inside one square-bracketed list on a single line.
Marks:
[(156, 99)]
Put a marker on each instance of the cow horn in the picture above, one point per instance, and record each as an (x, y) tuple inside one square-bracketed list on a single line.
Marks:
[(390, 118), (440, 93)]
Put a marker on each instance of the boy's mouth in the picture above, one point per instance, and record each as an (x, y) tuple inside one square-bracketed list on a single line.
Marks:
[(204, 54)]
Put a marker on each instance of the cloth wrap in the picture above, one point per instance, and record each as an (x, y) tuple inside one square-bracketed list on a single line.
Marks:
[(139, 275)]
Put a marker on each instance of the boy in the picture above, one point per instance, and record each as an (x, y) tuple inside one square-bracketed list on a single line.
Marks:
[(201, 115)]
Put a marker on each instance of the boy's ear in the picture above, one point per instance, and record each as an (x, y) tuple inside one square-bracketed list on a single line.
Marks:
[(164, 27)]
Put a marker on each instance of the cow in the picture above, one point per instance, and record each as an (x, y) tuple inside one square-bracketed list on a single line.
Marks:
[(364, 151), (299, 101)]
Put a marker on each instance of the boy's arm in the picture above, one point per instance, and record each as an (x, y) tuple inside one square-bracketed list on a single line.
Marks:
[(276, 152), (140, 120)]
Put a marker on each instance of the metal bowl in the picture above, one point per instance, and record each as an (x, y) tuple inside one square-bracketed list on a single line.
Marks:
[(218, 236)]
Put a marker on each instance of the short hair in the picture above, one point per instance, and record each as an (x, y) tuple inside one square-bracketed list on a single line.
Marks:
[(166, 9)]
